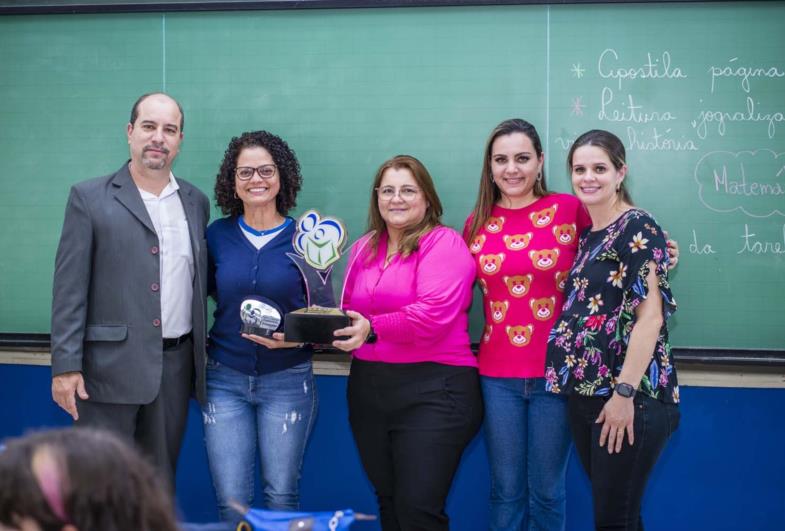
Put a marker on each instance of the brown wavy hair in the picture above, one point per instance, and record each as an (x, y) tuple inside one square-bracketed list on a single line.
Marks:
[(433, 214), (285, 160), (489, 194)]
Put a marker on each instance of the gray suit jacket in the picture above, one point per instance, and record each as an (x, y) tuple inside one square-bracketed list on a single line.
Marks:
[(105, 315)]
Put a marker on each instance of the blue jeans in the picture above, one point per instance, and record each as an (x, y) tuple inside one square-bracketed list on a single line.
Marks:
[(272, 412), (527, 435)]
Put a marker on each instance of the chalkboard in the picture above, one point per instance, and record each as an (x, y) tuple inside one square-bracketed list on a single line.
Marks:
[(697, 92)]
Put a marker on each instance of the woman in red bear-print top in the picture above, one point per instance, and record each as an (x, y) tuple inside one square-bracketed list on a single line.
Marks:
[(524, 241)]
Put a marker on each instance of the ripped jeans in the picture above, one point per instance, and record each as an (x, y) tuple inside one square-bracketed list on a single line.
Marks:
[(272, 412)]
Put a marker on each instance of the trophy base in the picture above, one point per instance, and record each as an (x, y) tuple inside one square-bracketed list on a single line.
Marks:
[(314, 325), (256, 330)]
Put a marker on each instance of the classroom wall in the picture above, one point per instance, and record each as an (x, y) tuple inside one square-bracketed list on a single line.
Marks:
[(724, 469)]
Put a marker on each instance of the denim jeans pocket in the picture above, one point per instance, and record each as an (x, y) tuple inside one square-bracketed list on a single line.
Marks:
[(212, 363)]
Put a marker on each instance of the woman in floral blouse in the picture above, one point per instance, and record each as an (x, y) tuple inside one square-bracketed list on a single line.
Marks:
[(609, 349)]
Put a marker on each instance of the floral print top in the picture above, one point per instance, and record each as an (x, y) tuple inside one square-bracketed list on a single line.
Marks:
[(588, 343)]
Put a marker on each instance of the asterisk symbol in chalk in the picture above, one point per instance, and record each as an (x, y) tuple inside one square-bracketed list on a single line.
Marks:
[(578, 70), (577, 106)]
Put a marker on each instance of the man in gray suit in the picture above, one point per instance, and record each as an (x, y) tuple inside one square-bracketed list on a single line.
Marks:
[(128, 310)]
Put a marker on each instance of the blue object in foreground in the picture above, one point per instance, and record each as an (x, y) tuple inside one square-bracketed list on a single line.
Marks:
[(261, 520)]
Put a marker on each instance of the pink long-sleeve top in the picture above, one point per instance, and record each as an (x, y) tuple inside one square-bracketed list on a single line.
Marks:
[(418, 305)]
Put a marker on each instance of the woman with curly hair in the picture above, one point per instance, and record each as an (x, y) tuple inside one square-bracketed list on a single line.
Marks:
[(260, 390)]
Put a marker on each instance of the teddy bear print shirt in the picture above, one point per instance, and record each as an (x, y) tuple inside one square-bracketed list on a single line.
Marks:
[(523, 257)]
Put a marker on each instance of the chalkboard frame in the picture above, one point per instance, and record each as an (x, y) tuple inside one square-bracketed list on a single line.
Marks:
[(718, 356), (46, 7), (683, 355)]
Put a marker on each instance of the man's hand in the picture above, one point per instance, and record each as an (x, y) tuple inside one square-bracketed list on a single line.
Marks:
[(64, 388)]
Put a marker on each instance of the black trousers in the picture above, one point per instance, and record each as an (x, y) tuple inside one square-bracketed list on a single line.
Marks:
[(411, 423), (618, 480), (156, 428)]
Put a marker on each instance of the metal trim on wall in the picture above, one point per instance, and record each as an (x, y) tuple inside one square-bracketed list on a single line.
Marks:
[(684, 355), (32, 7)]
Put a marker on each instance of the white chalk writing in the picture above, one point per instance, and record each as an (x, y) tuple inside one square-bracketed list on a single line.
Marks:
[(630, 112), (701, 125), (742, 187), (744, 73), (747, 181), (657, 141), (698, 248), (752, 245), (651, 69)]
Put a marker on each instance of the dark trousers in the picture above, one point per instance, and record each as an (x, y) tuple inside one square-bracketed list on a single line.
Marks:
[(411, 423), (618, 480), (157, 428)]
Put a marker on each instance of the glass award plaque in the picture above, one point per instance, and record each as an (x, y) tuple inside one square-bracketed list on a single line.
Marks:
[(318, 242)]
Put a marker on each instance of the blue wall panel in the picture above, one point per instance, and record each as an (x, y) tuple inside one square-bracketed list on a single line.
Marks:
[(723, 470)]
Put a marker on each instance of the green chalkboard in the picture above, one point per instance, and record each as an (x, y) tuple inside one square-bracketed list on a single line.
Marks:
[(697, 91)]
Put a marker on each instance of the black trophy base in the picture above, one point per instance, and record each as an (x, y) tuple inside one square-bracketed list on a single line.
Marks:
[(314, 325), (257, 330)]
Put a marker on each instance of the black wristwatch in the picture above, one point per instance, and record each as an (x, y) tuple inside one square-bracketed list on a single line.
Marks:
[(625, 390), (371, 337)]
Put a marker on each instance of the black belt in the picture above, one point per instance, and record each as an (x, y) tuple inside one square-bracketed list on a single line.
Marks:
[(172, 342)]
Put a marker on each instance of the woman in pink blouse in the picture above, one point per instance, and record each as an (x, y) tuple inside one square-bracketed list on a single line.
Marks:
[(414, 396)]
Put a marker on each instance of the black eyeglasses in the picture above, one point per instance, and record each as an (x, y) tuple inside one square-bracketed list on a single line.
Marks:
[(245, 173)]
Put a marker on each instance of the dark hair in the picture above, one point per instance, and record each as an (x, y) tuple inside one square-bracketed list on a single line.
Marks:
[(84, 477), (612, 146), (135, 108), (284, 158), (489, 194), (433, 213)]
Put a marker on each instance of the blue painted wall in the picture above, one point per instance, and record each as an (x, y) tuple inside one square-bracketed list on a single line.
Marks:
[(723, 470)]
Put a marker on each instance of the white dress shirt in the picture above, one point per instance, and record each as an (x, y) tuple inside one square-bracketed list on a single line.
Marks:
[(177, 260)]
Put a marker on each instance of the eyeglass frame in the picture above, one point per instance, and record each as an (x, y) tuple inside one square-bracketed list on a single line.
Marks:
[(256, 170), (397, 192)]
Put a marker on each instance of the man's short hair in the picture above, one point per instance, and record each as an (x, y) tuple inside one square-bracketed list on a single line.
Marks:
[(135, 108)]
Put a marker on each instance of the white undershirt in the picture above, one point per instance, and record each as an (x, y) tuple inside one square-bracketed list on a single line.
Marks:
[(177, 261), (261, 241)]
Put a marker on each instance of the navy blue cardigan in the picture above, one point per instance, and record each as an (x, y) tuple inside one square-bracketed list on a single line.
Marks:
[(236, 270)]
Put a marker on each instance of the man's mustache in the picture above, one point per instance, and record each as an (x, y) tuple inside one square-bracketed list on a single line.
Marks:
[(156, 148)]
